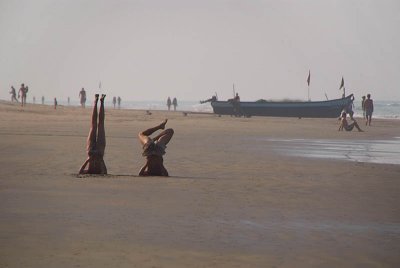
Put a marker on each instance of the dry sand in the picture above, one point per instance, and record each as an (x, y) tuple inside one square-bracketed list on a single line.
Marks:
[(230, 201)]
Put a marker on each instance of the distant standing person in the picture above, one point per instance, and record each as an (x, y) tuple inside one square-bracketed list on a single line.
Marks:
[(13, 93), (169, 103), (237, 109), (34, 99), (237, 98), (42, 99), (119, 102), (369, 109), (96, 142), (346, 126), (82, 96), (154, 149), (114, 101), (363, 105), (175, 103), (349, 108), (22, 93), (68, 101), (55, 103)]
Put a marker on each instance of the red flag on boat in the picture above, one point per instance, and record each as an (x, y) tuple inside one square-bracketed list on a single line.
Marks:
[(341, 84), (308, 79)]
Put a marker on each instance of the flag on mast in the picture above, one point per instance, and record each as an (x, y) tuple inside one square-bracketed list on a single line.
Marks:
[(341, 84), (309, 77)]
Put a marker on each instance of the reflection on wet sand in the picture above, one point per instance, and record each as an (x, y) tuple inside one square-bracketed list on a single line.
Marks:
[(368, 151)]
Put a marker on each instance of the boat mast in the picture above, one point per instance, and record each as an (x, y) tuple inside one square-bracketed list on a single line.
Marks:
[(308, 84)]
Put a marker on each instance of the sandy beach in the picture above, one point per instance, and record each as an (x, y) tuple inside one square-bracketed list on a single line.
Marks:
[(237, 197)]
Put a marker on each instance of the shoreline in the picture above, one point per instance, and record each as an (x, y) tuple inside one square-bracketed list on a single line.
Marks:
[(184, 111)]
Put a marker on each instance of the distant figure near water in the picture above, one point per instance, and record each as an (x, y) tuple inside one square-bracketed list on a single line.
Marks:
[(346, 126), (82, 96), (119, 102), (349, 108), (175, 103), (363, 105), (237, 98), (154, 149), (237, 109), (369, 109), (22, 93), (55, 103), (114, 101), (96, 142), (169, 103), (43, 100), (13, 93)]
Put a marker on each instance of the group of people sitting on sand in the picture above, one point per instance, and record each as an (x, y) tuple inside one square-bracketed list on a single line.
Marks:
[(153, 148)]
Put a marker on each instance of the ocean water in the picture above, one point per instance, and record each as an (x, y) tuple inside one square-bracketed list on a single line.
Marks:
[(382, 109), (191, 106)]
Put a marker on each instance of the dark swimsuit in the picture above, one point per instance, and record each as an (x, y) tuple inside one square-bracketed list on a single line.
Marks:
[(153, 148)]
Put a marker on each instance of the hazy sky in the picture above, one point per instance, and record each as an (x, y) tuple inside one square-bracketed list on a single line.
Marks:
[(149, 50)]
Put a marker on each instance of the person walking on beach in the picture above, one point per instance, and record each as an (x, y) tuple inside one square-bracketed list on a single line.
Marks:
[(346, 126), (55, 103), (114, 101), (363, 105), (22, 93), (169, 103), (96, 142), (119, 102), (369, 109), (82, 96), (42, 99), (175, 103), (13, 93), (154, 149)]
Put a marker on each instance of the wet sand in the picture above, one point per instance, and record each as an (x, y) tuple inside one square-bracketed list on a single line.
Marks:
[(241, 193)]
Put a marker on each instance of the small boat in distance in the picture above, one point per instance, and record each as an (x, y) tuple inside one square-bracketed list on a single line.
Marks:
[(307, 109)]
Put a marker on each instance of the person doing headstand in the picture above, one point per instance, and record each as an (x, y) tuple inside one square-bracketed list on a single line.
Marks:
[(154, 149), (96, 142), (346, 126)]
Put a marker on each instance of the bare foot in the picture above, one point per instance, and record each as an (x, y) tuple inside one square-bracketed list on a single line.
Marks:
[(162, 125), (102, 97), (96, 96)]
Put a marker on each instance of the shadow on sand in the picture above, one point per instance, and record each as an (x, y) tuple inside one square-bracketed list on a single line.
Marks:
[(111, 176)]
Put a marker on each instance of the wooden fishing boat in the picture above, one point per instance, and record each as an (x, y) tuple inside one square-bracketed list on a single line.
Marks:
[(310, 109)]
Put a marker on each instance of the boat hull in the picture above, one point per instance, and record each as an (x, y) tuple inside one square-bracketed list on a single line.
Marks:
[(312, 109)]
